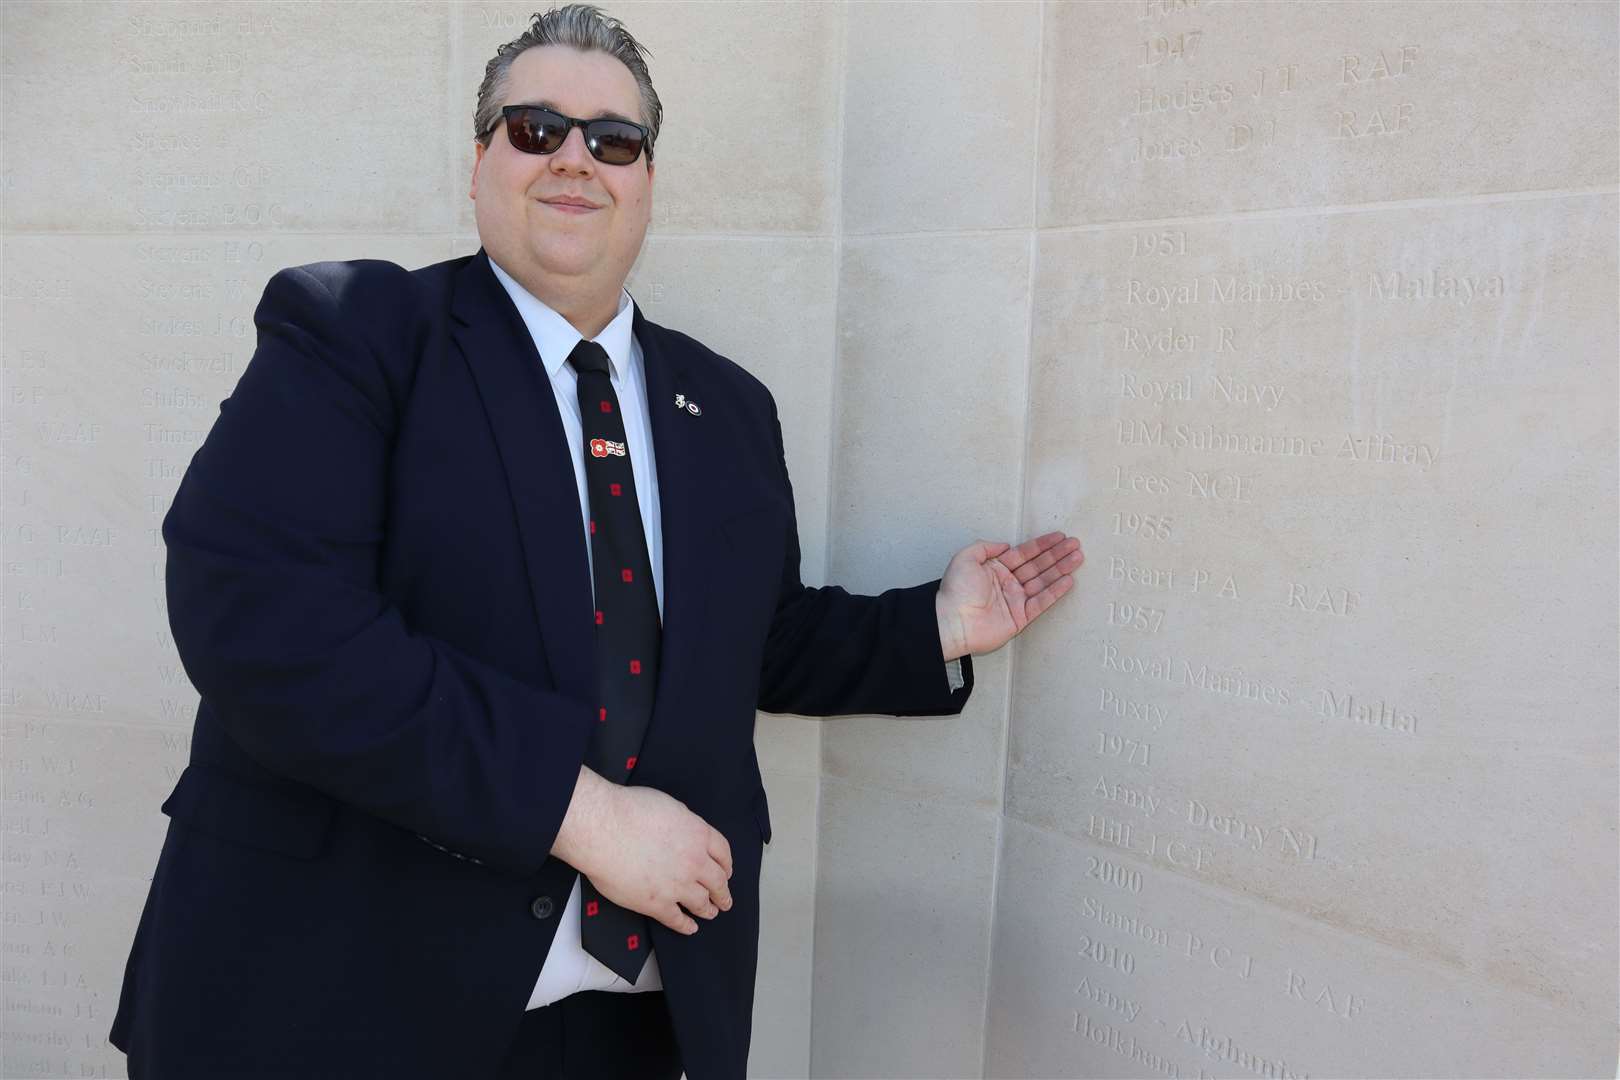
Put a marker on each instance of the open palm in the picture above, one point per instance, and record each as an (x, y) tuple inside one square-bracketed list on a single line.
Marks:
[(992, 590)]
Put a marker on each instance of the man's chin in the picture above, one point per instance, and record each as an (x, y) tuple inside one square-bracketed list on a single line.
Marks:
[(571, 263)]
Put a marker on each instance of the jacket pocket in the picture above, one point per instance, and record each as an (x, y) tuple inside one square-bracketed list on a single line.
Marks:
[(289, 821)]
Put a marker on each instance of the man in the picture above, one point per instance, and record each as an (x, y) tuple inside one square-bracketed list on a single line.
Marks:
[(481, 577)]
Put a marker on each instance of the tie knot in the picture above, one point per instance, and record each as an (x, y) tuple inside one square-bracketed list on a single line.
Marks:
[(588, 356)]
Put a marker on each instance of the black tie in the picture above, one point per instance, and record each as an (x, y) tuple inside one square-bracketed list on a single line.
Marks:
[(627, 637)]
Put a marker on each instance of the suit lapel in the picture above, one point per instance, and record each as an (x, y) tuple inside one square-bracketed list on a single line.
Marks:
[(522, 410), (528, 431)]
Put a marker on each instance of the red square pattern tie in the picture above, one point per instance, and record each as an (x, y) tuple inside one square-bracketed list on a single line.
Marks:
[(627, 637)]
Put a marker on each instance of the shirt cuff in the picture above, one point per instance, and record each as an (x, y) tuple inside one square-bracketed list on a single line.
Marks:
[(953, 672)]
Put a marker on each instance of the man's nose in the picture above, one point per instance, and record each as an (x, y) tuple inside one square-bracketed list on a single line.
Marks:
[(573, 153)]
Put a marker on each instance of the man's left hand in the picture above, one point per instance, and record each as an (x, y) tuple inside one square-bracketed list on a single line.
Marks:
[(992, 590)]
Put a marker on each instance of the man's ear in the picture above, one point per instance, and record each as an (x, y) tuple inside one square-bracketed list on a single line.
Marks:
[(478, 157)]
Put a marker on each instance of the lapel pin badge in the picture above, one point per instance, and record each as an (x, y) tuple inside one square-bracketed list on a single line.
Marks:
[(689, 406)]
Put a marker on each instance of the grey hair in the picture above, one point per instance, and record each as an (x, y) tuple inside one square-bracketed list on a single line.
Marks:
[(584, 27)]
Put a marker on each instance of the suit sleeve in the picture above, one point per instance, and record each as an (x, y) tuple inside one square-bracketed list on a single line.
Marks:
[(272, 586), (833, 653)]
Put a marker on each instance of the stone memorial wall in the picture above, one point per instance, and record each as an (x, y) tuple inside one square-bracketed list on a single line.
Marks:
[(1314, 774), (1302, 316), (1326, 785)]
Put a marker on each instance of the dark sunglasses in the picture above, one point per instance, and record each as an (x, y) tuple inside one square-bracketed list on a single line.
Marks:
[(535, 130)]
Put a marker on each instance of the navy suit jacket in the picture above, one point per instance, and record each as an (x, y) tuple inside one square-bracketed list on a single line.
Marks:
[(377, 582)]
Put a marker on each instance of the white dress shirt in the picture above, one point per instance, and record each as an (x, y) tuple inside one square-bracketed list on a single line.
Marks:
[(569, 968)]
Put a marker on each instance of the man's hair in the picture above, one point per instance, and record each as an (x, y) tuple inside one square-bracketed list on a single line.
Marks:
[(586, 28)]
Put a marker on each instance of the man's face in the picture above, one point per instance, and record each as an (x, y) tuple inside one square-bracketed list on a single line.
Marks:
[(540, 244)]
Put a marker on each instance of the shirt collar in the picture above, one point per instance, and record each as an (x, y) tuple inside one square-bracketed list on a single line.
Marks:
[(555, 337)]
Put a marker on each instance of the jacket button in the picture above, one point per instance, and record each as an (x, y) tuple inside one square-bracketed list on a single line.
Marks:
[(541, 907)]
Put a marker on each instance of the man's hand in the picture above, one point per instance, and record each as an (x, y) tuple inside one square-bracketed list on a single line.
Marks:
[(649, 853), (992, 590)]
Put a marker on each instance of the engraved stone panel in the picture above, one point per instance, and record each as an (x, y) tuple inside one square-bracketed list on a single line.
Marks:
[(1117, 966), (1161, 108), (1346, 655)]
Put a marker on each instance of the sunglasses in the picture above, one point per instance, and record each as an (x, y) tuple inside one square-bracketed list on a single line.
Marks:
[(535, 130)]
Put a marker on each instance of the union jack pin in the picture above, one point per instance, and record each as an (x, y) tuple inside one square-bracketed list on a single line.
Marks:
[(604, 447), (689, 406)]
